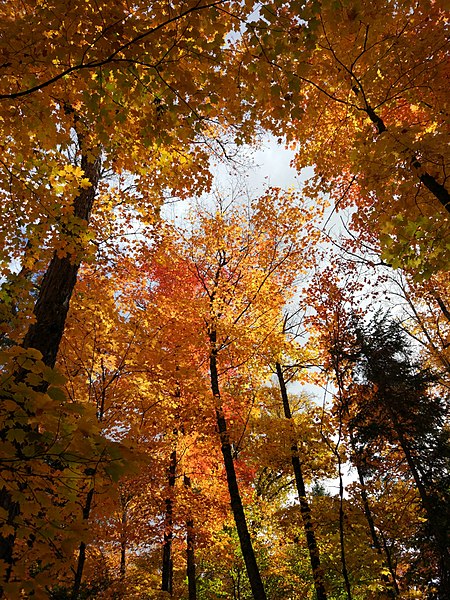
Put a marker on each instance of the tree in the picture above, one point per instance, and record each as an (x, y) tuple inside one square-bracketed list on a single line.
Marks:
[(241, 261), (301, 490), (403, 406), (107, 121)]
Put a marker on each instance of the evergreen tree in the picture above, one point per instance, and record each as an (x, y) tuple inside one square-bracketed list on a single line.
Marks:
[(401, 404)]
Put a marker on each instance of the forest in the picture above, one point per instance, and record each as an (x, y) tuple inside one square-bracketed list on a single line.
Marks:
[(212, 389)]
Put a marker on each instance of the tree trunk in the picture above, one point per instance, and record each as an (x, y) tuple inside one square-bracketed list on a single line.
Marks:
[(387, 552), (167, 561), (373, 532), (190, 557), (7, 542), (123, 545), (190, 552), (341, 528), (237, 508), (57, 286), (82, 550), (305, 509), (433, 186), (369, 517)]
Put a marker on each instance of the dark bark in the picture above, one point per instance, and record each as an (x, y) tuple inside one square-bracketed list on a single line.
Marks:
[(433, 186), (305, 509), (405, 411), (167, 561), (190, 552), (237, 508), (369, 517), (335, 450), (376, 120), (443, 307), (7, 542), (123, 544), (341, 529), (190, 557), (57, 286), (82, 550), (390, 565), (367, 511), (373, 532), (437, 189)]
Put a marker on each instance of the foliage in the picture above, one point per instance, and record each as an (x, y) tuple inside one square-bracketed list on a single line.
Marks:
[(166, 334)]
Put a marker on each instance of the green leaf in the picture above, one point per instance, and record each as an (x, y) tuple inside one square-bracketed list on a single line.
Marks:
[(53, 376), (57, 394)]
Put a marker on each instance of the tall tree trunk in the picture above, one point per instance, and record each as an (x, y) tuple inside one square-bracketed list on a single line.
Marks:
[(390, 565), (237, 508), (82, 550), (123, 544), (370, 521), (342, 406), (367, 511), (314, 555), (7, 542), (167, 561), (190, 552), (341, 528), (437, 189), (190, 558), (57, 286)]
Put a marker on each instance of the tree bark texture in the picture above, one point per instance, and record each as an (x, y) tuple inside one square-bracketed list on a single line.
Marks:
[(311, 542), (237, 508), (341, 529), (190, 558), (7, 542), (123, 544)]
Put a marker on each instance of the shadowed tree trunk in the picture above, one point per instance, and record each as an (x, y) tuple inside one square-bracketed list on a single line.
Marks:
[(167, 561), (305, 509), (438, 190), (190, 551), (237, 508), (59, 281), (341, 528), (123, 541), (82, 550), (402, 408), (370, 521), (436, 520)]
